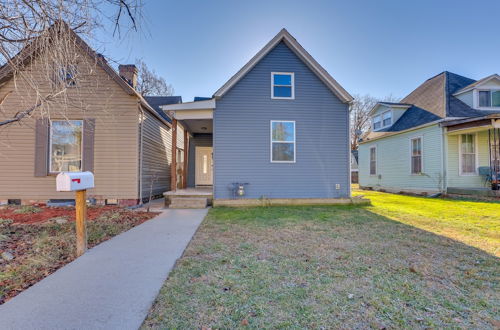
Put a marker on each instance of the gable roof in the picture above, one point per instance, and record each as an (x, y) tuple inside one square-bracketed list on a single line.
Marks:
[(27, 53), (476, 83), (390, 105), (156, 101), (290, 41)]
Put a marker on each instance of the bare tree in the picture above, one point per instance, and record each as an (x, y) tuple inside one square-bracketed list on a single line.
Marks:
[(360, 116), (42, 33), (150, 83)]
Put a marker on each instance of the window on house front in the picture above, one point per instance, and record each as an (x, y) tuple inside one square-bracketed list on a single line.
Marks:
[(416, 155), (387, 118), (282, 85), (373, 161), (282, 141), (489, 99), (467, 154), (377, 123), (65, 145)]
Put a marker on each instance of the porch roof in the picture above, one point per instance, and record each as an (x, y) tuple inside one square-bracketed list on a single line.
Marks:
[(472, 124), (196, 117)]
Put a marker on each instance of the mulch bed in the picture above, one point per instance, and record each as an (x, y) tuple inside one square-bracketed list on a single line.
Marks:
[(46, 213), (40, 245)]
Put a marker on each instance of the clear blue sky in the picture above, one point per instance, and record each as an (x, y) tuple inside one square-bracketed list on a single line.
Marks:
[(370, 47)]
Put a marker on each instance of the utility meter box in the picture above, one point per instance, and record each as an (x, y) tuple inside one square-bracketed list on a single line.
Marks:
[(74, 181)]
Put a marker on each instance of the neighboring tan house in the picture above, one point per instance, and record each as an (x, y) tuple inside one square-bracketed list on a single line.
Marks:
[(277, 131), (443, 137), (114, 132)]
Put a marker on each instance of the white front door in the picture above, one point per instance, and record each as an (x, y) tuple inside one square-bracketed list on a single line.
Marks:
[(204, 166)]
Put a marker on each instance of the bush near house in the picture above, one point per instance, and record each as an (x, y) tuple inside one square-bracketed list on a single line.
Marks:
[(404, 261), (35, 241)]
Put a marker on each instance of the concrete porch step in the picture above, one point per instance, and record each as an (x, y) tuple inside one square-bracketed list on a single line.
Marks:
[(188, 202)]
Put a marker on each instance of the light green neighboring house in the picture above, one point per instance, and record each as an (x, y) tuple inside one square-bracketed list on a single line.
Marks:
[(442, 137)]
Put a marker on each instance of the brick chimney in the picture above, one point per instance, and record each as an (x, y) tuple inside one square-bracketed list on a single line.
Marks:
[(129, 73)]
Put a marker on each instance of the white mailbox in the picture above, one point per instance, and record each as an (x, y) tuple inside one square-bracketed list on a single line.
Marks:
[(74, 181)]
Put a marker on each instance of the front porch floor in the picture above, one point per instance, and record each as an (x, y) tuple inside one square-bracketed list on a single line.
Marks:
[(198, 197)]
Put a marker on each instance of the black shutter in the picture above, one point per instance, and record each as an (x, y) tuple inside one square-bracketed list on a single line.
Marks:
[(42, 147), (88, 145)]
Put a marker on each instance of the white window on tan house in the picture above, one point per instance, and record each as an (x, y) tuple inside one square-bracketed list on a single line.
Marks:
[(282, 141), (65, 76), (373, 161), (282, 85), (416, 155), (65, 146), (467, 153)]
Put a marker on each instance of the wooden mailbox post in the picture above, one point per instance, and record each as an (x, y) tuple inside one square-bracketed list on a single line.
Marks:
[(78, 182)]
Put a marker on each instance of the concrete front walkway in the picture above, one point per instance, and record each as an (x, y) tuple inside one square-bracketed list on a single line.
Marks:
[(113, 285)]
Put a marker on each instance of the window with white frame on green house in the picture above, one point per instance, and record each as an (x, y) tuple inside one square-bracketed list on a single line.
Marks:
[(468, 154), (416, 155), (373, 161)]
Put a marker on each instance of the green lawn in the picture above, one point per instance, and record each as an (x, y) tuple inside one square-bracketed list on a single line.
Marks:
[(402, 262)]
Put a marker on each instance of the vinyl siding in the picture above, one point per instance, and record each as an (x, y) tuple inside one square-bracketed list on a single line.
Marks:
[(396, 113), (467, 98), (393, 161), (242, 135), (466, 181), (157, 156), (116, 136), (198, 140)]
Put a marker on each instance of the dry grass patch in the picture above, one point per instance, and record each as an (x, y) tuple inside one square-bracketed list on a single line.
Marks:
[(330, 267)]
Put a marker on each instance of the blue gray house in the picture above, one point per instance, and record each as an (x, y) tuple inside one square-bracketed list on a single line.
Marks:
[(443, 137), (277, 131)]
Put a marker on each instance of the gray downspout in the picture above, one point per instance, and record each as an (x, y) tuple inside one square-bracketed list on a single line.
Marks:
[(444, 161), (141, 118)]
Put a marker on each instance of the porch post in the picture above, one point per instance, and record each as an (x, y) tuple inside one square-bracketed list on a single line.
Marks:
[(173, 166), (185, 169)]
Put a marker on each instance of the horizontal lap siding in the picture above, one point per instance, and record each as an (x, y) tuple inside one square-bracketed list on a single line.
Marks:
[(116, 136), (156, 153), (393, 161), (242, 135), (466, 181)]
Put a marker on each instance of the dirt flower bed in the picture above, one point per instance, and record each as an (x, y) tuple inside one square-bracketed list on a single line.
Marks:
[(35, 241)]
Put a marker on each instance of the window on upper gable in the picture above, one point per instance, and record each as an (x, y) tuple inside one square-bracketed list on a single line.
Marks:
[(488, 99), (65, 75), (377, 123), (282, 85), (386, 119)]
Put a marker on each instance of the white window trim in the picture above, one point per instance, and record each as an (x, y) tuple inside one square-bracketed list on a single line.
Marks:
[(475, 101), (476, 156), (381, 115), (421, 137), (292, 86), (50, 144), (294, 142), (370, 160)]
